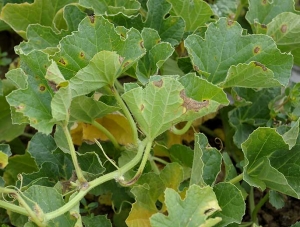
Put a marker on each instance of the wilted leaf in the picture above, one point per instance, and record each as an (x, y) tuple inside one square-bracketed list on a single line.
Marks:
[(116, 124), (194, 210)]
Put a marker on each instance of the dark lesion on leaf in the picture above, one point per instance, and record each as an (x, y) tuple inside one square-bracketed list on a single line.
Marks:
[(196, 68), (283, 28), (42, 87), (158, 83), (209, 211), (191, 104), (142, 44), (256, 50), (260, 65), (142, 107), (53, 86), (230, 22), (62, 61), (92, 19), (81, 54)]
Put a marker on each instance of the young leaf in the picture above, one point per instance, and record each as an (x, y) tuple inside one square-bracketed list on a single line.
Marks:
[(194, 210), (195, 13), (232, 204), (225, 46)]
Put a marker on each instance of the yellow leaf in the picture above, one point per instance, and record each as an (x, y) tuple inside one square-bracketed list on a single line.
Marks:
[(3, 160), (115, 123)]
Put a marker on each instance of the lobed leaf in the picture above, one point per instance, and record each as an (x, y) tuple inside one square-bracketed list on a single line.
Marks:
[(225, 47), (194, 210)]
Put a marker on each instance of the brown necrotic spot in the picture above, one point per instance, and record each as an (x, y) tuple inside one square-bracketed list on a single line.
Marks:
[(230, 22), (142, 44), (53, 86), (81, 54), (264, 2), (260, 65), (158, 83), (62, 61), (42, 88), (283, 28), (196, 68), (92, 19), (263, 26), (121, 59), (20, 107), (191, 104), (256, 50), (142, 107)]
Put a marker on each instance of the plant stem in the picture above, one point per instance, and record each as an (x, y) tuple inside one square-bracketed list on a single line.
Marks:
[(107, 133), (207, 131), (238, 10), (251, 202), (127, 114), (160, 160), (119, 86), (78, 171), (141, 167), (153, 165), (177, 131), (258, 207), (113, 175), (237, 179)]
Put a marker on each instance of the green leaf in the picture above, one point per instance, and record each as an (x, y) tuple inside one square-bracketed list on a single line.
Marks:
[(45, 38), (95, 221), (18, 77), (148, 189), (4, 154), (41, 12), (195, 13), (170, 29), (276, 199), (34, 101), (224, 46), (60, 104), (8, 130), (163, 103), (230, 171), (157, 53), (181, 154), (290, 137), (232, 204), (200, 89), (206, 162), (103, 69), (284, 29), (261, 11), (224, 8), (246, 118), (75, 54), (18, 164), (48, 199), (86, 109), (194, 210), (252, 75), (270, 163)]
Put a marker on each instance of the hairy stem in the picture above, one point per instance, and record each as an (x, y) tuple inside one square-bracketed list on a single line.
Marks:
[(107, 133), (117, 174), (127, 114), (183, 130), (78, 171), (251, 202)]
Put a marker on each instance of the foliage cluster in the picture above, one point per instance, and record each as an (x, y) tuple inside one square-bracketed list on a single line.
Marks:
[(120, 94)]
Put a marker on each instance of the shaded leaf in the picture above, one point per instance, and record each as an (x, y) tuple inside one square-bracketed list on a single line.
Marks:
[(95, 221), (194, 210), (276, 199), (224, 46)]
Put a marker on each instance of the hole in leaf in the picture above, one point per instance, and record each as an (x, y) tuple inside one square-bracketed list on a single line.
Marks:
[(167, 15), (158, 205)]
